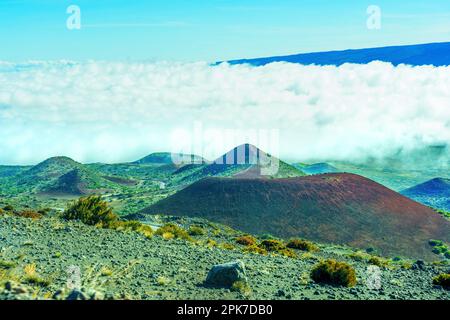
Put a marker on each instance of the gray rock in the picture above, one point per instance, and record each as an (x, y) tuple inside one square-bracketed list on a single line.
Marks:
[(281, 293), (224, 275), (58, 295), (76, 295), (15, 288)]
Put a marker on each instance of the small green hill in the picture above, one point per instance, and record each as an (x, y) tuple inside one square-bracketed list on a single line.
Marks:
[(61, 175), (242, 161)]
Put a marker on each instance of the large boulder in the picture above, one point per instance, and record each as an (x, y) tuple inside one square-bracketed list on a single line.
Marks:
[(225, 275)]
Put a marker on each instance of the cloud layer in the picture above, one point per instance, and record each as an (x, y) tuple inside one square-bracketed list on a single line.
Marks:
[(110, 112)]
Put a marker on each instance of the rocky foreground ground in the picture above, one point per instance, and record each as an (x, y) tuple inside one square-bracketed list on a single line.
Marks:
[(40, 259)]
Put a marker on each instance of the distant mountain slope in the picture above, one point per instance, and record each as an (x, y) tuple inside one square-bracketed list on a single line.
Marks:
[(61, 175), (243, 161), (331, 208), (436, 54), (316, 168), (403, 170), (9, 171), (434, 193), (167, 158)]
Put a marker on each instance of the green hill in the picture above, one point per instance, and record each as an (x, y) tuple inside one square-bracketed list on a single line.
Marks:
[(61, 175), (242, 161)]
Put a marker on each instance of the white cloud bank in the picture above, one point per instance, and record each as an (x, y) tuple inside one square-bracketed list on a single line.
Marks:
[(103, 111)]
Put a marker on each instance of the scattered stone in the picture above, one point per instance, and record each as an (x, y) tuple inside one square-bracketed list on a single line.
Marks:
[(281, 293), (76, 295), (15, 288), (225, 275), (58, 295)]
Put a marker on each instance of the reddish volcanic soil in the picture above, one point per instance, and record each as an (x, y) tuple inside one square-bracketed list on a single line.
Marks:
[(330, 208)]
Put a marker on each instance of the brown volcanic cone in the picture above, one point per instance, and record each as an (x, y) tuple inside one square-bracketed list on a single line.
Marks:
[(330, 208)]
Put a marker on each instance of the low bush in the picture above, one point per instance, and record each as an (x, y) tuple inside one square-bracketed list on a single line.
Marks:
[(91, 210), (136, 226), (7, 264), (377, 261), (359, 256), (255, 249), (32, 277), (442, 280), (334, 273), (246, 240), (277, 246), (227, 246), (440, 248), (94, 211), (242, 287), (436, 243), (30, 214), (272, 245), (196, 231), (446, 214), (175, 230), (300, 244), (168, 236), (8, 208), (268, 236), (211, 243), (163, 281)]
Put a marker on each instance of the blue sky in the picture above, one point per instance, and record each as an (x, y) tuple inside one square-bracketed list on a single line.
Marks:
[(210, 29)]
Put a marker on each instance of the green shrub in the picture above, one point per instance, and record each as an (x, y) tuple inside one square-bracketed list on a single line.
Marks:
[(272, 245), (163, 281), (30, 214), (32, 277), (268, 236), (359, 256), (242, 287), (300, 244), (132, 225), (255, 249), (440, 249), (196, 231), (129, 225), (377, 261), (446, 214), (227, 246), (246, 240), (436, 243), (7, 264), (91, 210), (175, 230), (44, 211), (334, 273), (277, 246), (8, 208), (210, 243), (442, 280)]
